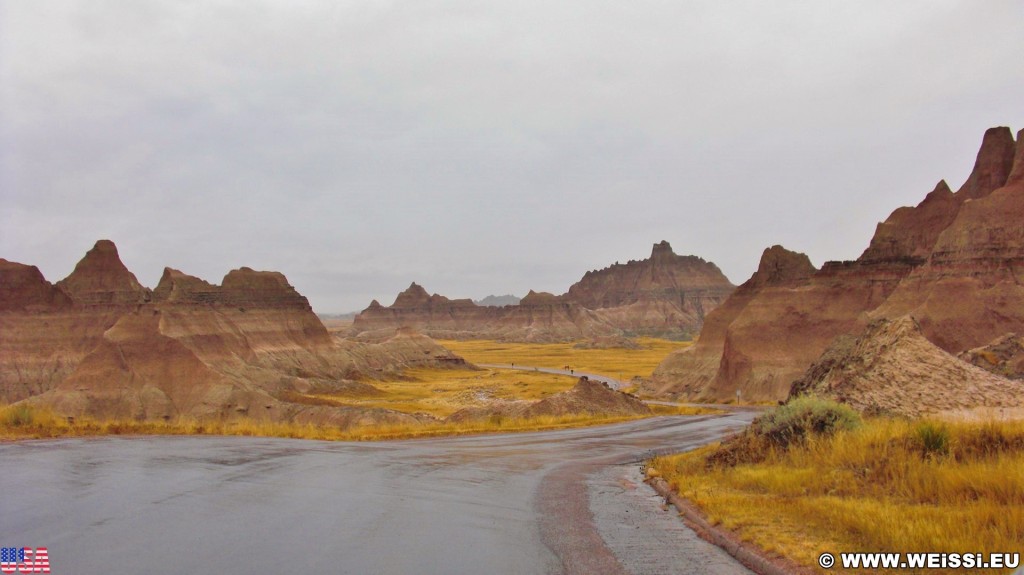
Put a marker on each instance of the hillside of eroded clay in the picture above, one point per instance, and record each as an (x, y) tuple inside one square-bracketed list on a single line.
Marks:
[(891, 368), (953, 263), (98, 343)]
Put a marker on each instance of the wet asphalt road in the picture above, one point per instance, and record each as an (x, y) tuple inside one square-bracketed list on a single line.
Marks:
[(550, 502)]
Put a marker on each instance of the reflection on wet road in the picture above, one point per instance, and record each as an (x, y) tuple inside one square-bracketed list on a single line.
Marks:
[(524, 503)]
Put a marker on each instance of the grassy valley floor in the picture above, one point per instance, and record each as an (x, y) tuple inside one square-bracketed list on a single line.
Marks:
[(436, 392), (622, 364)]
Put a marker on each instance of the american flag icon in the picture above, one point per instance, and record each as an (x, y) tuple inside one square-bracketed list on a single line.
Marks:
[(24, 560)]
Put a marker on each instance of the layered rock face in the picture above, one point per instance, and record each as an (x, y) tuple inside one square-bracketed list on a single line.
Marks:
[(892, 368), (1003, 357), (539, 317), (100, 344), (665, 295), (952, 262)]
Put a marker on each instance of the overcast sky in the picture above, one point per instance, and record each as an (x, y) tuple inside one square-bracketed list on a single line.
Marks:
[(482, 147)]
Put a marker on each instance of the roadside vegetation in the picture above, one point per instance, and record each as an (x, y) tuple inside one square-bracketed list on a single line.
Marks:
[(812, 477), (24, 422)]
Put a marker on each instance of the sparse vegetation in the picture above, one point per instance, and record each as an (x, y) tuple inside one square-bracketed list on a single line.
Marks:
[(627, 363), (791, 424), (885, 485), (437, 392), (45, 424), (441, 392)]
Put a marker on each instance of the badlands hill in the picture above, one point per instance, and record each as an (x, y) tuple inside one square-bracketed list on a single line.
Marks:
[(891, 368), (99, 343), (954, 263), (587, 397), (665, 295)]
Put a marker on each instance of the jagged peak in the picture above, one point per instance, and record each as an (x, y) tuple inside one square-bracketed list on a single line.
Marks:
[(662, 249), (102, 257), (175, 285), (539, 298), (779, 265), (941, 188), (1017, 173), (23, 287), (993, 164), (100, 277), (413, 296)]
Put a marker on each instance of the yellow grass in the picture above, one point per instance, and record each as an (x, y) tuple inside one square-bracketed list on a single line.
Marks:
[(623, 364), (872, 489), (438, 392), (21, 422), (441, 392)]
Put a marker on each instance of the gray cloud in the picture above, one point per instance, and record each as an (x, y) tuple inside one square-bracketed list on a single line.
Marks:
[(481, 147)]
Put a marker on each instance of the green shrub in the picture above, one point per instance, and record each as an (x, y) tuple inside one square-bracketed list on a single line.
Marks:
[(931, 438), (783, 426), (803, 417)]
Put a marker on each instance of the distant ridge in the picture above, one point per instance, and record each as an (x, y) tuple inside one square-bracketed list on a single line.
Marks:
[(665, 295), (498, 300)]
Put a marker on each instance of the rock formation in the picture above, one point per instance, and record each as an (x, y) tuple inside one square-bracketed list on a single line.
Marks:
[(1003, 357), (952, 262), (665, 295), (585, 398), (891, 368), (539, 317), (98, 343)]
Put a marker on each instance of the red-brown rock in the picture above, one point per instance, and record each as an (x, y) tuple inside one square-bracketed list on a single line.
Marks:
[(952, 262), (100, 344)]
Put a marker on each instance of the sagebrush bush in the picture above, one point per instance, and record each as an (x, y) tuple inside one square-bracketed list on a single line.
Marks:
[(803, 417), (788, 424)]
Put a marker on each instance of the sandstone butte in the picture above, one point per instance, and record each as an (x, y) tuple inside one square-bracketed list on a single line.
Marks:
[(98, 343), (665, 295), (954, 263)]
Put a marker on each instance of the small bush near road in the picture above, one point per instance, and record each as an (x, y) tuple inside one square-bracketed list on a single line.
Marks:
[(789, 424)]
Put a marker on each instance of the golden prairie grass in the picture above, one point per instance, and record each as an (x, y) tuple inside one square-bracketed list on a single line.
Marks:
[(623, 364), (438, 392), (441, 392), (25, 422), (888, 486)]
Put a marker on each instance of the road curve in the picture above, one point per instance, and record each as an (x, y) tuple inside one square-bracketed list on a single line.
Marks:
[(567, 501)]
